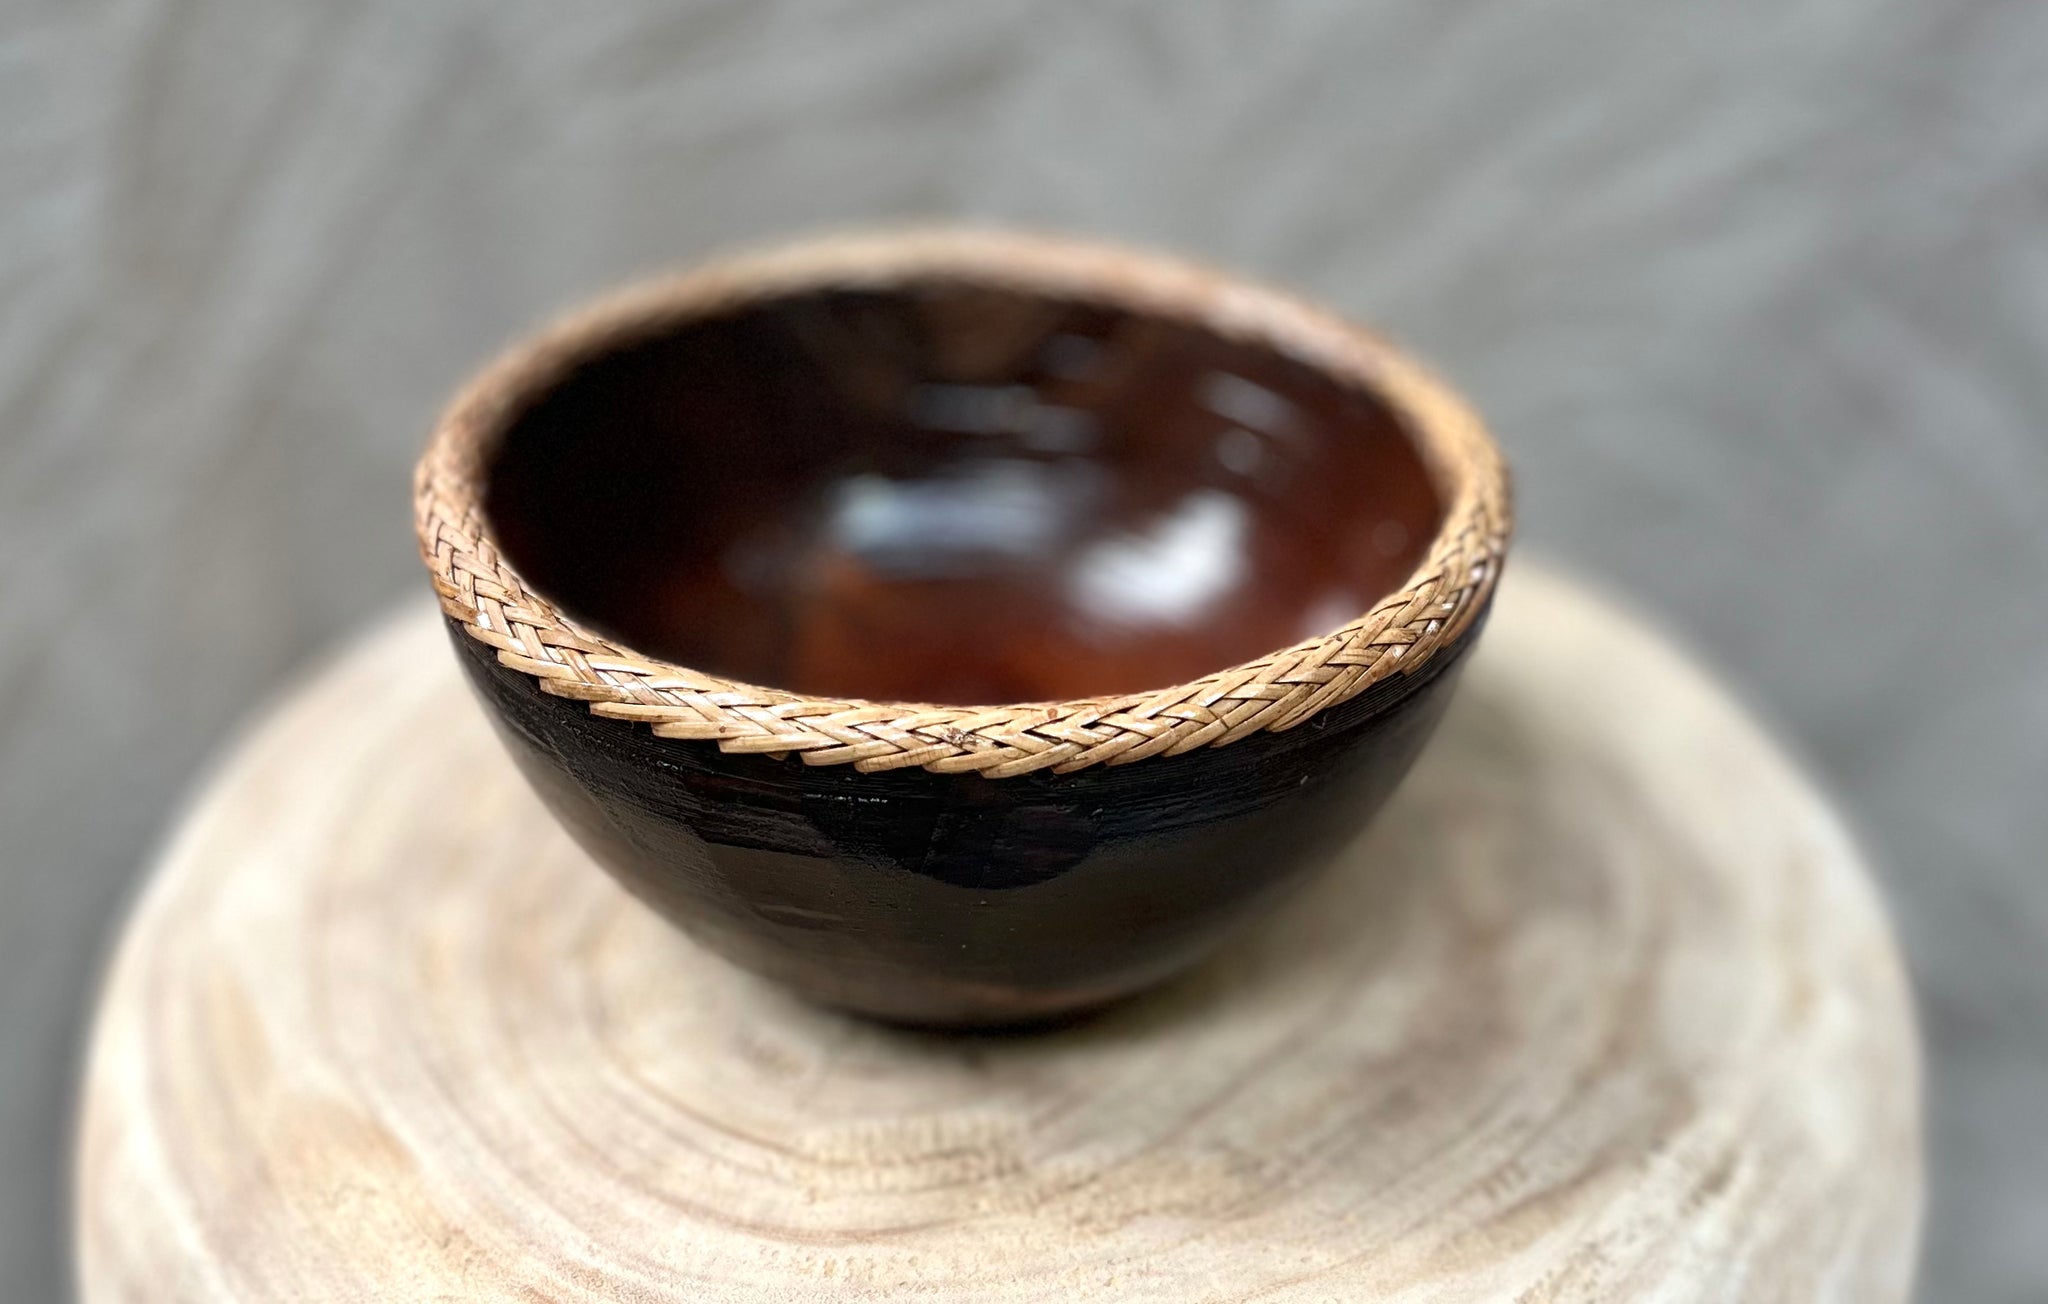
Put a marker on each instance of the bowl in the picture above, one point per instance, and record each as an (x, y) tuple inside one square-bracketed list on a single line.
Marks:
[(961, 628)]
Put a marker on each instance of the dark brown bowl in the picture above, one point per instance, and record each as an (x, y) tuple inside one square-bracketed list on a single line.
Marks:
[(1226, 551)]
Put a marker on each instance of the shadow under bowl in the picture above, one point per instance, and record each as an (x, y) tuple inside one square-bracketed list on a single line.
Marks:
[(961, 628)]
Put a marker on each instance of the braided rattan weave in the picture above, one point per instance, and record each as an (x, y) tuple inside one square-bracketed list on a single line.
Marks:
[(480, 590)]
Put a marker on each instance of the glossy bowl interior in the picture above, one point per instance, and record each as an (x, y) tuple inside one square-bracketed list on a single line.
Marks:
[(948, 492)]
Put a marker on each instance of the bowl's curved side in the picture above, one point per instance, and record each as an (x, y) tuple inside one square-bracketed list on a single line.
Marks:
[(950, 899)]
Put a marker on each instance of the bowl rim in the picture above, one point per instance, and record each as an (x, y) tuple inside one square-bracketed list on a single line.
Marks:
[(481, 591)]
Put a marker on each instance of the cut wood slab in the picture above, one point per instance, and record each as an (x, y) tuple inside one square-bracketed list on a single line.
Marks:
[(1602, 1008)]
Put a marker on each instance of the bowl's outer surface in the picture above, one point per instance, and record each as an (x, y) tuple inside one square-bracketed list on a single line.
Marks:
[(955, 899)]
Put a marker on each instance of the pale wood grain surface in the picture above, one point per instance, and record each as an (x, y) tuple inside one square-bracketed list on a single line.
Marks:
[(1601, 1010)]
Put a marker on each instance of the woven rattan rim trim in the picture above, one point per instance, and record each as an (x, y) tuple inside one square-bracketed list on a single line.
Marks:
[(482, 593)]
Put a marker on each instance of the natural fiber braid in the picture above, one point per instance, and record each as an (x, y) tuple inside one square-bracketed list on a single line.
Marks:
[(484, 595)]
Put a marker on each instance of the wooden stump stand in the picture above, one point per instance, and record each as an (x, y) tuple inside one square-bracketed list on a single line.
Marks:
[(1601, 1009)]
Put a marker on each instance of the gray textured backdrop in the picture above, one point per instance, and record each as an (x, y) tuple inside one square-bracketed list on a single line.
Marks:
[(1755, 293)]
